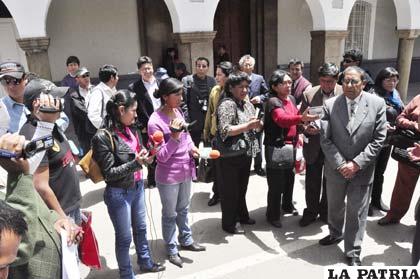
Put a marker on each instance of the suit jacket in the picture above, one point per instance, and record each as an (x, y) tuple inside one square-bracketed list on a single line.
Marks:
[(258, 87), (39, 254), (360, 144), (144, 103), (313, 98)]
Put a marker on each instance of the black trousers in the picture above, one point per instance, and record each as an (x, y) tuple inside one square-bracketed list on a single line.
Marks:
[(378, 180), (218, 179), (258, 157), (279, 181), (314, 181), (235, 175), (151, 167)]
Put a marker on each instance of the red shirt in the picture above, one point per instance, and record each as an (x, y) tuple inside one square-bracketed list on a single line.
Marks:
[(287, 117)]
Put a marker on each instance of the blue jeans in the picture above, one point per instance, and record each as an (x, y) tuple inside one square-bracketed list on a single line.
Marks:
[(175, 200), (126, 208)]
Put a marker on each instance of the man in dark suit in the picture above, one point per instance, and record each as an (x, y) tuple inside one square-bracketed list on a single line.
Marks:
[(353, 130), (144, 88), (258, 94), (315, 98)]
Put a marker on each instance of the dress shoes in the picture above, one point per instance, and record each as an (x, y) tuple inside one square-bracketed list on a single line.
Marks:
[(156, 267), (290, 210), (380, 206), (234, 230), (213, 201), (385, 221), (260, 172), (354, 261), (194, 247), (276, 223), (176, 260), (306, 220), (248, 221), (330, 240)]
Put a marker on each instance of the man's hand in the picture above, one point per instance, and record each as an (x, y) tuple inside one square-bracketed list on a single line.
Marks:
[(47, 101), (414, 152), (255, 100), (74, 232), (349, 169), (13, 143)]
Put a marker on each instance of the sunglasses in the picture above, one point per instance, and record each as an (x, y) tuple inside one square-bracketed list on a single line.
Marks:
[(348, 61), (85, 75), (7, 81)]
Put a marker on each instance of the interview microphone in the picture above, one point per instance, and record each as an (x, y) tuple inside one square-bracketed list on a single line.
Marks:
[(155, 142), (185, 127), (208, 153)]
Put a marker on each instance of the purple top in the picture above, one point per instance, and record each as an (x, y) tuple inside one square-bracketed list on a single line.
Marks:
[(174, 162), (69, 81)]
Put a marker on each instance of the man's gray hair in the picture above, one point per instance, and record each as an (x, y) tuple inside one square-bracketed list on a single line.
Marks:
[(357, 69), (246, 57)]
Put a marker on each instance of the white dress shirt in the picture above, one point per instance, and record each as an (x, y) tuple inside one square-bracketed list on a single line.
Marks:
[(97, 102)]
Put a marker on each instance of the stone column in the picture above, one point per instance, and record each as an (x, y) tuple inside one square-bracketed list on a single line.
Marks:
[(326, 46), (195, 44), (405, 55), (36, 50)]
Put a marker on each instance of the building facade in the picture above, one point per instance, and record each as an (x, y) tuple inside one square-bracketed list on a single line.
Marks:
[(42, 33)]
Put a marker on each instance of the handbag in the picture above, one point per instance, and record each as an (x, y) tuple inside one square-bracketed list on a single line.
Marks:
[(280, 157), (401, 155), (88, 247), (404, 138), (232, 146), (90, 167), (205, 171)]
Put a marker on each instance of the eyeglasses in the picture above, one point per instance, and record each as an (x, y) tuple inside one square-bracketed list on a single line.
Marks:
[(7, 81), (348, 61), (85, 75), (352, 81)]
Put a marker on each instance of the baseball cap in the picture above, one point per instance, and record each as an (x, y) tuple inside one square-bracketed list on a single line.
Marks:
[(12, 69), (37, 86), (81, 71)]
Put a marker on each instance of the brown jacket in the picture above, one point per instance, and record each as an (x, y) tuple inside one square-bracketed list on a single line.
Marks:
[(313, 97)]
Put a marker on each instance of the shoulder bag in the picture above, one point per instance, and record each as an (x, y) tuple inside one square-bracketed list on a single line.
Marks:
[(90, 167)]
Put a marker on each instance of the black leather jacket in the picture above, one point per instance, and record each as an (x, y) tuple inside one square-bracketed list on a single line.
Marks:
[(117, 166)]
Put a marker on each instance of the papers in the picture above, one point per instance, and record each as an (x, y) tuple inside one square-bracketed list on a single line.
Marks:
[(70, 266), (317, 110)]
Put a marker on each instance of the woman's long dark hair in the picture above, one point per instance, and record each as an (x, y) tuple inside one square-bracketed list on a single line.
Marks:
[(384, 74), (166, 87), (124, 98)]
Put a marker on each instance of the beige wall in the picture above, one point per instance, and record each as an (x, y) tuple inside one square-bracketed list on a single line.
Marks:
[(97, 31), (385, 41), (294, 26)]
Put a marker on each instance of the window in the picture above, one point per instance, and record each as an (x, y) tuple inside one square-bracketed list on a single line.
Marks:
[(359, 27)]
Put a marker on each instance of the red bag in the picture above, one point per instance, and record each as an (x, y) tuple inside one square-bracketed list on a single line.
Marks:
[(88, 247)]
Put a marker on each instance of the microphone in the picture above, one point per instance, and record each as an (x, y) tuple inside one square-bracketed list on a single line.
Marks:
[(208, 153), (155, 142)]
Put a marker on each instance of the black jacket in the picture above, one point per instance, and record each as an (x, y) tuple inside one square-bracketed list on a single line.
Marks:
[(118, 165), (144, 103)]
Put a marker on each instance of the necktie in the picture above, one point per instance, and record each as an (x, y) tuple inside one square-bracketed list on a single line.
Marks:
[(293, 88), (352, 113)]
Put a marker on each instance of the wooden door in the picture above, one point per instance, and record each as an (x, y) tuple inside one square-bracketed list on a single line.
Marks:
[(232, 23)]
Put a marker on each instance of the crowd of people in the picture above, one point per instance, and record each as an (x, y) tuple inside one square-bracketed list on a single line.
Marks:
[(344, 124)]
